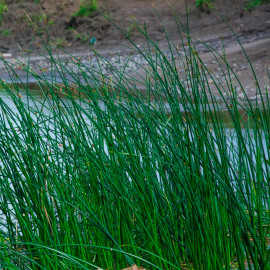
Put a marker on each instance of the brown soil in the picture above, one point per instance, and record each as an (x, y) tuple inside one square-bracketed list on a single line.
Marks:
[(69, 31)]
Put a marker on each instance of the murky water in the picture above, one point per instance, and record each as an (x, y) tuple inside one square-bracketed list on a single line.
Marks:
[(38, 101)]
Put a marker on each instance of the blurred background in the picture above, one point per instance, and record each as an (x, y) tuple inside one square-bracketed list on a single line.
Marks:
[(75, 24)]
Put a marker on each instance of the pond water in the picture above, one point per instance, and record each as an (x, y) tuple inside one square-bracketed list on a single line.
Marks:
[(38, 101)]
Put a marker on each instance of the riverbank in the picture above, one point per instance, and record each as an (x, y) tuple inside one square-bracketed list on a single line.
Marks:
[(252, 28), (74, 33), (256, 47)]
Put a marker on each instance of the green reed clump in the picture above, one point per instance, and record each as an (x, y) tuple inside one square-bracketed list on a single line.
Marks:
[(98, 173)]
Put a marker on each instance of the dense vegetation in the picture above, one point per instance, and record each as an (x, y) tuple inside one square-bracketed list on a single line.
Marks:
[(98, 173)]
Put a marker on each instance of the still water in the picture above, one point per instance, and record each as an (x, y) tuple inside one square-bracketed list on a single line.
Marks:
[(39, 102)]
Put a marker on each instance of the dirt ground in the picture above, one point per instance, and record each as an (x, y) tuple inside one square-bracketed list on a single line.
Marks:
[(74, 33), (69, 31)]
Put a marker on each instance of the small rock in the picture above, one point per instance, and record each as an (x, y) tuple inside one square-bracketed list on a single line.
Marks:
[(254, 97), (7, 54), (134, 267), (4, 49), (72, 22)]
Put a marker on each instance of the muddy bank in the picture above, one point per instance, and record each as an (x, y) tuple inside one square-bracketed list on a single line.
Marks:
[(75, 32), (135, 65), (251, 27)]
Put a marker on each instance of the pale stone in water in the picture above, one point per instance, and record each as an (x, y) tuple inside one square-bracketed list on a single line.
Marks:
[(134, 267), (7, 54)]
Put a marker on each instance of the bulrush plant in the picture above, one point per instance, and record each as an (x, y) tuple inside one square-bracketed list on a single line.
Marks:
[(99, 174)]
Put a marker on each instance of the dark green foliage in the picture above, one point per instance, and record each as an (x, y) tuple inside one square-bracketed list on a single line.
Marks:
[(204, 4), (87, 8), (5, 32), (3, 9), (96, 173), (253, 3)]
